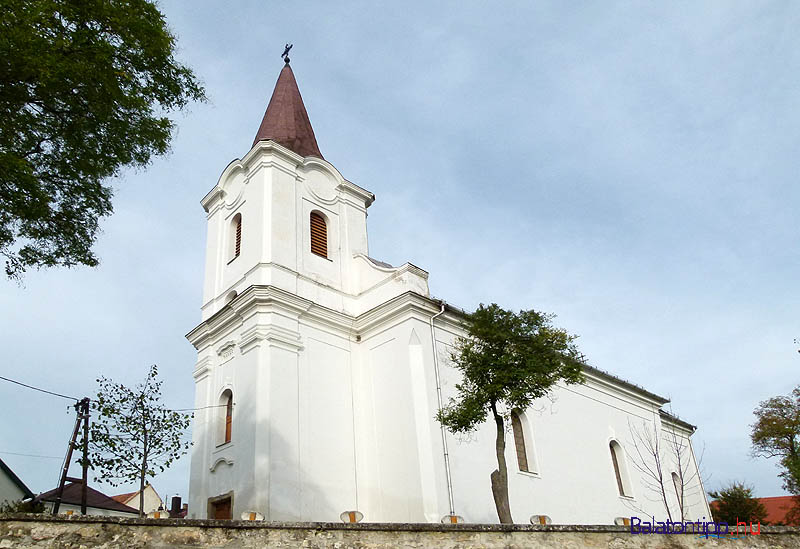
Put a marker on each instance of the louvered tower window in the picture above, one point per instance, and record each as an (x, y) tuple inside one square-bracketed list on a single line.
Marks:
[(235, 237), (319, 235), (238, 237)]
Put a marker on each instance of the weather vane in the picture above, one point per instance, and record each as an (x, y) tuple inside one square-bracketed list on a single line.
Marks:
[(285, 54)]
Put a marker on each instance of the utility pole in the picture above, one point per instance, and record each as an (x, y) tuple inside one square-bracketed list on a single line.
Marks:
[(82, 409), (85, 460)]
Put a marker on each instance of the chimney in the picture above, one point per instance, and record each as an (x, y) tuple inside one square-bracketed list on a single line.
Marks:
[(175, 508)]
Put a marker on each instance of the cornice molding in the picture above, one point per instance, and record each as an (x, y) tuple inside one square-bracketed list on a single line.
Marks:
[(269, 146), (388, 311), (201, 335), (363, 196), (265, 298), (213, 199), (275, 336), (202, 369)]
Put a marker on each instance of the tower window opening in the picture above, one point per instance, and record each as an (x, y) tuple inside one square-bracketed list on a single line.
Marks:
[(225, 417), (319, 235), (235, 245), (238, 237)]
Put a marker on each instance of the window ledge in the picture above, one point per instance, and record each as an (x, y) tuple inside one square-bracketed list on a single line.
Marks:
[(529, 474), (232, 260), (627, 498), (223, 446), (315, 254)]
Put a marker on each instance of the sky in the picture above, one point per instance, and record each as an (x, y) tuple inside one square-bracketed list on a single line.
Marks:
[(631, 167)]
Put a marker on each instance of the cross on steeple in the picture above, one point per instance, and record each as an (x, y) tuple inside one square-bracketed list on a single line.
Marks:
[(285, 54)]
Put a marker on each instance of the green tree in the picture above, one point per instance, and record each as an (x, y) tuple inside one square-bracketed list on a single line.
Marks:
[(134, 436), (776, 433), (507, 361), (85, 86), (22, 506), (735, 503)]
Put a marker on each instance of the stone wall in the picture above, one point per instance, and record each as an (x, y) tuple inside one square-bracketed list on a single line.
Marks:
[(111, 532)]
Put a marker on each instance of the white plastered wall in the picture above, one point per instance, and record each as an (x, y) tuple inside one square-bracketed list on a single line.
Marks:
[(331, 365)]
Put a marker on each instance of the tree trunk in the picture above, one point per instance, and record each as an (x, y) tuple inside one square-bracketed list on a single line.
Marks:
[(500, 475), (141, 497), (143, 475)]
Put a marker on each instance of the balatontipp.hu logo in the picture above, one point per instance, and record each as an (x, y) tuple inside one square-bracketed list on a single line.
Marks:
[(706, 529)]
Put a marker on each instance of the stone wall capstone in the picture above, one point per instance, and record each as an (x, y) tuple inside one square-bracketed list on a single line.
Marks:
[(17, 531)]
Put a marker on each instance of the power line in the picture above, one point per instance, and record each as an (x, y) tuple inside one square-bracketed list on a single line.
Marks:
[(201, 408), (38, 389), (31, 455), (73, 398)]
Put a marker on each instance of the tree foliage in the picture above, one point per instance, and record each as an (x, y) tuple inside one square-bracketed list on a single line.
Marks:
[(85, 86), (735, 503), (134, 436), (776, 433), (22, 506), (507, 361)]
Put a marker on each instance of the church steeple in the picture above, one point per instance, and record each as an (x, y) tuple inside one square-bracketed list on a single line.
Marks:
[(286, 120)]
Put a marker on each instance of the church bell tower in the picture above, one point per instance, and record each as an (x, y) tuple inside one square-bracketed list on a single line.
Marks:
[(280, 379)]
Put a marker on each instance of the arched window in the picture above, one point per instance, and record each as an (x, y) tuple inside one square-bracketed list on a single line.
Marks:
[(519, 442), (225, 417), (319, 235), (235, 240), (620, 471), (676, 482)]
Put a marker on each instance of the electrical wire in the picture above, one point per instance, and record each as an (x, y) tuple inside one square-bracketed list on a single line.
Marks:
[(201, 408), (76, 399), (38, 389), (31, 455)]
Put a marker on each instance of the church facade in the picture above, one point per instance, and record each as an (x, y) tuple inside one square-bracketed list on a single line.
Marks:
[(320, 371)]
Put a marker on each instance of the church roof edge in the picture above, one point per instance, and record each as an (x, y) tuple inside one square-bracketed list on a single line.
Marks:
[(678, 421)]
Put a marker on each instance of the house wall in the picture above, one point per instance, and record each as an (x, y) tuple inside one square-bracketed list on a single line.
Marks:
[(76, 510), (9, 491), (151, 500)]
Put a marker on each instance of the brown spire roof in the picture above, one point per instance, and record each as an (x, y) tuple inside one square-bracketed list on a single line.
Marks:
[(286, 120)]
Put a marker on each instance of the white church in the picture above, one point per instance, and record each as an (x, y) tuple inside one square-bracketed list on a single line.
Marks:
[(322, 370)]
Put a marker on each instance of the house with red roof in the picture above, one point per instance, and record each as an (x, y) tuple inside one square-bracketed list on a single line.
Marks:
[(97, 503), (152, 501), (777, 509)]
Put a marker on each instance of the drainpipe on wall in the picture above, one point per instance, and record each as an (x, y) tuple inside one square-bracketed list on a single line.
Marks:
[(441, 427)]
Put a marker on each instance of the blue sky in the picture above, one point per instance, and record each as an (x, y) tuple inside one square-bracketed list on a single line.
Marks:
[(631, 167)]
